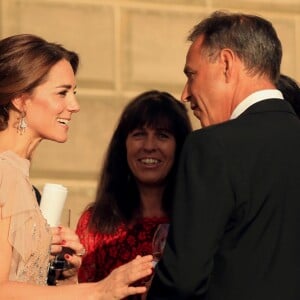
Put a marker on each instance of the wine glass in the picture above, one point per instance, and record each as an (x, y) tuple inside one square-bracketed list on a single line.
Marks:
[(158, 245), (159, 242), (59, 264)]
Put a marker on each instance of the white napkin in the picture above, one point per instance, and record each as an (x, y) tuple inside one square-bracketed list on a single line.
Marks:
[(52, 202)]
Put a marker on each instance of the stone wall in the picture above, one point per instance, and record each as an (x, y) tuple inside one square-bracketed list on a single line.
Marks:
[(126, 47)]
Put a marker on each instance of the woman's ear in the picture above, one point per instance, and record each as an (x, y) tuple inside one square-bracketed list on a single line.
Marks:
[(19, 103)]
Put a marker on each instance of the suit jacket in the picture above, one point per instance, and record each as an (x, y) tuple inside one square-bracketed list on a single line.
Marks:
[(235, 229)]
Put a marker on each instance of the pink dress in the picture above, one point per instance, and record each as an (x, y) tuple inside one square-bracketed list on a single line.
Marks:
[(29, 234)]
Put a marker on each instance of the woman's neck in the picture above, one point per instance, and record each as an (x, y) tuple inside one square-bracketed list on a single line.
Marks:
[(23, 145), (151, 201)]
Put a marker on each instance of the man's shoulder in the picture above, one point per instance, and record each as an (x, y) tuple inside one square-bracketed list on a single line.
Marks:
[(213, 130), (219, 135)]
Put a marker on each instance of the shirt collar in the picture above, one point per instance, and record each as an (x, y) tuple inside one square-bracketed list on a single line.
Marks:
[(254, 98)]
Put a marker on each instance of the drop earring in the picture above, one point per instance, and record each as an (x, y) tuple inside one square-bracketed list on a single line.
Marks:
[(22, 124)]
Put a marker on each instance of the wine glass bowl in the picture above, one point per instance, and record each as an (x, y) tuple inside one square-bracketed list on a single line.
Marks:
[(159, 241)]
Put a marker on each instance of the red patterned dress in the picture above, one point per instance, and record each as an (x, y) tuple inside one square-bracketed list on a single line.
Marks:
[(106, 252)]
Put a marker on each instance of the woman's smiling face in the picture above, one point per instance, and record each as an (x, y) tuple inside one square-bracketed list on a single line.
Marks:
[(50, 106), (150, 154)]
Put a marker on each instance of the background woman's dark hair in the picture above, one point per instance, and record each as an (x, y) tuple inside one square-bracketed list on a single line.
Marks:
[(117, 198), (25, 61), (291, 91)]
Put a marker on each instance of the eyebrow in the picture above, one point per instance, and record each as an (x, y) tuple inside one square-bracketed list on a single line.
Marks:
[(66, 86), (168, 130)]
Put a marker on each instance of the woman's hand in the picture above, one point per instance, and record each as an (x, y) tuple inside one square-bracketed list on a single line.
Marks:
[(62, 239), (65, 237), (117, 285)]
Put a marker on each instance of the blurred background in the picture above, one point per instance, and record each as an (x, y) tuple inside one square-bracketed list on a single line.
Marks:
[(126, 47)]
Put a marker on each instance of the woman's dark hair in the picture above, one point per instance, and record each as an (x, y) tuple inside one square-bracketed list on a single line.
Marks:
[(117, 199), (25, 61), (290, 90)]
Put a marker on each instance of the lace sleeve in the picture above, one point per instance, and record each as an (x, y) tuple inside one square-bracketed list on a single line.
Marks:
[(18, 203)]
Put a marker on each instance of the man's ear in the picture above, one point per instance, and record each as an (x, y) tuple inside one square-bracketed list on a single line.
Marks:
[(227, 58)]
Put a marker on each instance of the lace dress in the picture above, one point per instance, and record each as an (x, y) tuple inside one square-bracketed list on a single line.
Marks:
[(29, 233), (105, 252)]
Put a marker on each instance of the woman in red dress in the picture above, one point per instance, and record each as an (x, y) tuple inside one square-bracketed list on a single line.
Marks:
[(135, 189)]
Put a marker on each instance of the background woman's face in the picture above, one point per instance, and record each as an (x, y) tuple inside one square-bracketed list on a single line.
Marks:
[(150, 154)]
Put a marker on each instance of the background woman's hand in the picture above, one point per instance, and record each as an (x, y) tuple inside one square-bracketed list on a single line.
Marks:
[(118, 284)]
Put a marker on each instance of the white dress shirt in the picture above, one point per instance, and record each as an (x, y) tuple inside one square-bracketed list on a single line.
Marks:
[(254, 98)]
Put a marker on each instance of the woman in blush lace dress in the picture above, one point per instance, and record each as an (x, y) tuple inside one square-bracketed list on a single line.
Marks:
[(37, 101)]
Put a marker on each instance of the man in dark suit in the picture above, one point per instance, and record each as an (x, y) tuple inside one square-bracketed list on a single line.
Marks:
[(235, 230)]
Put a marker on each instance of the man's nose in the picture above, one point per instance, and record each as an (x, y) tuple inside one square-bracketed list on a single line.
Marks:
[(185, 96)]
